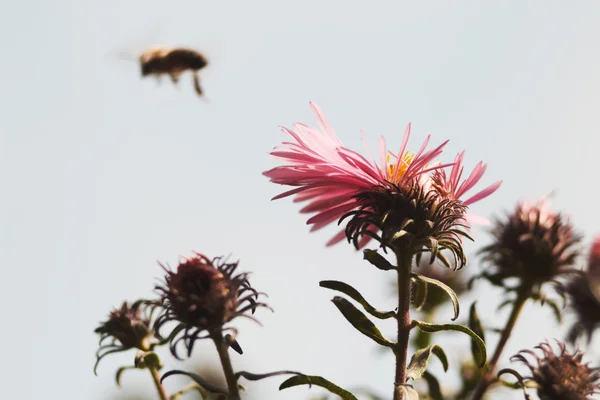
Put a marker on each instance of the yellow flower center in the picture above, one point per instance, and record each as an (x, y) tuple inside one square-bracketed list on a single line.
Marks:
[(407, 158)]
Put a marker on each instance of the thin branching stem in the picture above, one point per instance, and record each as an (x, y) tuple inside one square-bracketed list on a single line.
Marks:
[(159, 387), (404, 268), (489, 377)]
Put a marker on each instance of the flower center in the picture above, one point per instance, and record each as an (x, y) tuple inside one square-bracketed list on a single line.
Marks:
[(407, 158)]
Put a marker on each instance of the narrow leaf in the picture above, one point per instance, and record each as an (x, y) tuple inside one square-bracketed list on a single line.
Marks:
[(433, 247), (504, 304), (120, 373), (400, 233), (435, 392), (317, 381), (555, 310), (419, 360), (520, 380), (147, 359), (194, 386), (444, 287), (360, 321), (256, 377), (367, 393), (196, 378), (355, 295), (444, 260), (475, 325), (233, 343), (377, 260), (419, 293), (426, 327)]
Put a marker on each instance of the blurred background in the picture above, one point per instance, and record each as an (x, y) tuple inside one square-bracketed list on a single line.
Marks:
[(104, 174)]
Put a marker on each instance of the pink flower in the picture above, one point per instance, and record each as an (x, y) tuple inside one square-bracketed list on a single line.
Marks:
[(327, 175), (452, 187)]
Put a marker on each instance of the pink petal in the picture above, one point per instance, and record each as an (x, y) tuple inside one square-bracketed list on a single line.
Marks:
[(477, 220), (332, 214), (483, 194), (402, 150), (336, 239)]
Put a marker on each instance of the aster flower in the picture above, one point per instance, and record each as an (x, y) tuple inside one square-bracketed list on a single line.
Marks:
[(203, 295), (127, 327), (331, 177), (532, 245), (561, 376)]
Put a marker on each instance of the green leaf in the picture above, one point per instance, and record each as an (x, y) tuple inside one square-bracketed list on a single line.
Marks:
[(407, 393), (196, 378), (521, 381), (444, 260), (427, 327), (367, 393), (361, 322), (504, 304), (433, 247), (169, 338), (317, 381), (377, 260), (256, 377), (442, 286), (233, 343), (435, 392), (419, 293), (555, 310), (120, 373), (194, 386), (475, 325), (400, 233), (147, 359), (419, 360), (355, 295)]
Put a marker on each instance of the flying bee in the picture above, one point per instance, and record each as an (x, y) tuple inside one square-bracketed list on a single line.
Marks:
[(161, 61)]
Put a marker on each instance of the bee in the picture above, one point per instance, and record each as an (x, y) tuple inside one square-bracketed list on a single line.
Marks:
[(162, 60)]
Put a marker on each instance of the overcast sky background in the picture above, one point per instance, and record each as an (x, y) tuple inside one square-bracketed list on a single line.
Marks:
[(104, 173)]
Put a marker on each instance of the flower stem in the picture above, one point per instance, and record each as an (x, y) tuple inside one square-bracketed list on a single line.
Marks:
[(232, 385), (159, 387), (403, 317), (488, 378)]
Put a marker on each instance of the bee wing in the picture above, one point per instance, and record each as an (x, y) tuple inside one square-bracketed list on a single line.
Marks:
[(122, 55), (140, 42)]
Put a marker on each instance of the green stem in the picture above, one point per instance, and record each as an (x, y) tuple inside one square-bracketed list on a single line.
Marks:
[(403, 317), (489, 377), (159, 387), (234, 393)]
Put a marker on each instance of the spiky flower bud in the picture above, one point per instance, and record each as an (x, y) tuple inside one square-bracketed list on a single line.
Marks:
[(128, 327), (533, 245), (584, 298), (203, 295), (594, 266), (562, 376), (412, 217), (585, 305)]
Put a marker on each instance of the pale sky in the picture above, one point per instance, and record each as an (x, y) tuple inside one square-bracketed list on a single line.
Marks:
[(105, 173)]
